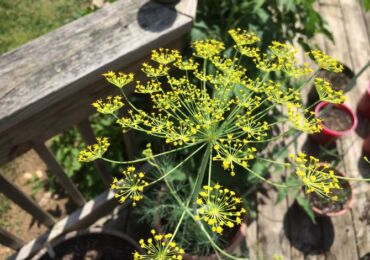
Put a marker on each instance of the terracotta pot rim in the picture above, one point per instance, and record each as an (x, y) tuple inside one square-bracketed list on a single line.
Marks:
[(347, 205), (343, 107)]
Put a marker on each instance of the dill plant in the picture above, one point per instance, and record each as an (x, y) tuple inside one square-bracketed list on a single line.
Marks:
[(212, 108)]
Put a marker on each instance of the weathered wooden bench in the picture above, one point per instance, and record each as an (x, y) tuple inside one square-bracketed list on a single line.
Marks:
[(48, 84)]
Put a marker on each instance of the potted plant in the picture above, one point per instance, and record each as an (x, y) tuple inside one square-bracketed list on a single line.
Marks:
[(208, 114), (337, 120), (343, 201), (94, 243), (364, 104)]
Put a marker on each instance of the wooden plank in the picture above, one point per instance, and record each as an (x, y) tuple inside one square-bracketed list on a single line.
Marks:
[(9, 240), (344, 244), (80, 219), (22, 200), (43, 70), (359, 49), (88, 135), (51, 76), (59, 173)]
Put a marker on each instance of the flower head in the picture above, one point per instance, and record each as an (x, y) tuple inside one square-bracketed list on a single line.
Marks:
[(95, 151), (219, 207), (308, 125), (326, 93), (160, 247), (207, 48), (243, 37), (130, 186), (316, 177), (111, 105), (118, 79), (326, 62), (165, 56)]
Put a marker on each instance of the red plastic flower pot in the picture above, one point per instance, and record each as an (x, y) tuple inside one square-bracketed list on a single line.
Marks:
[(364, 104), (366, 146), (328, 135)]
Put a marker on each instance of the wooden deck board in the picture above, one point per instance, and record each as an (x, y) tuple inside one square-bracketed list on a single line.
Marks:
[(346, 237)]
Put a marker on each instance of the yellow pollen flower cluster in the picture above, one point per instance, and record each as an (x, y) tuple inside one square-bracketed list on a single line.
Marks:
[(315, 176), (95, 151), (308, 125), (326, 93), (189, 64), (165, 56), (160, 247), (243, 37), (207, 48), (130, 186), (152, 72), (119, 79), (110, 106), (326, 62), (219, 208)]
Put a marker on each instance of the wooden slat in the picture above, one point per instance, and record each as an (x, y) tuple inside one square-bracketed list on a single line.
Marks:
[(82, 218), (60, 73), (88, 135), (59, 173), (344, 245), (22, 200), (359, 49), (9, 240)]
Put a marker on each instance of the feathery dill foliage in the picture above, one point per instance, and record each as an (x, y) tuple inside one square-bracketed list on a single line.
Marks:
[(220, 112)]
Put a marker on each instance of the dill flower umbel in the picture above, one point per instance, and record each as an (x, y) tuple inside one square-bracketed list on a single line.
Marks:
[(308, 125), (219, 207), (315, 176), (95, 151), (326, 93), (112, 104), (326, 62), (160, 247), (119, 79), (130, 186)]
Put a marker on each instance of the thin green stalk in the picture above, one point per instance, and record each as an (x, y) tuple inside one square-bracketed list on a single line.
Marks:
[(148, 158), (202, 171)]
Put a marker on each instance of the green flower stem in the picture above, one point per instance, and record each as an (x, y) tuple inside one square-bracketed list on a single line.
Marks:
[(266, 180), (177, 166), (201, 172), (274, 162), (148, 158), (345, 178)]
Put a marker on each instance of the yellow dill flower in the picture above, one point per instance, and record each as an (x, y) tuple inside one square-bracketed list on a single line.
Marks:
[(252, 52), (160, 247), (326, 62), (165, 56), (189, 64), (219, 208), (207, 48), (315, 176), (243, 37), (130, 186), (95, 151), (110, 106), (152, 72), (276, 94), (308, 125), (152, 86), (119, 79), (326, 93)]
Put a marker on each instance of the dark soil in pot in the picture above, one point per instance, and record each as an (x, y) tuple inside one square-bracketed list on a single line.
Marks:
[(336, 119), (91, 247), (329, 206)]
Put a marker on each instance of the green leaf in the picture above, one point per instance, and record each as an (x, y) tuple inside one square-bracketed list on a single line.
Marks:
[(282, 193), (366, 5), (305, 204)]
